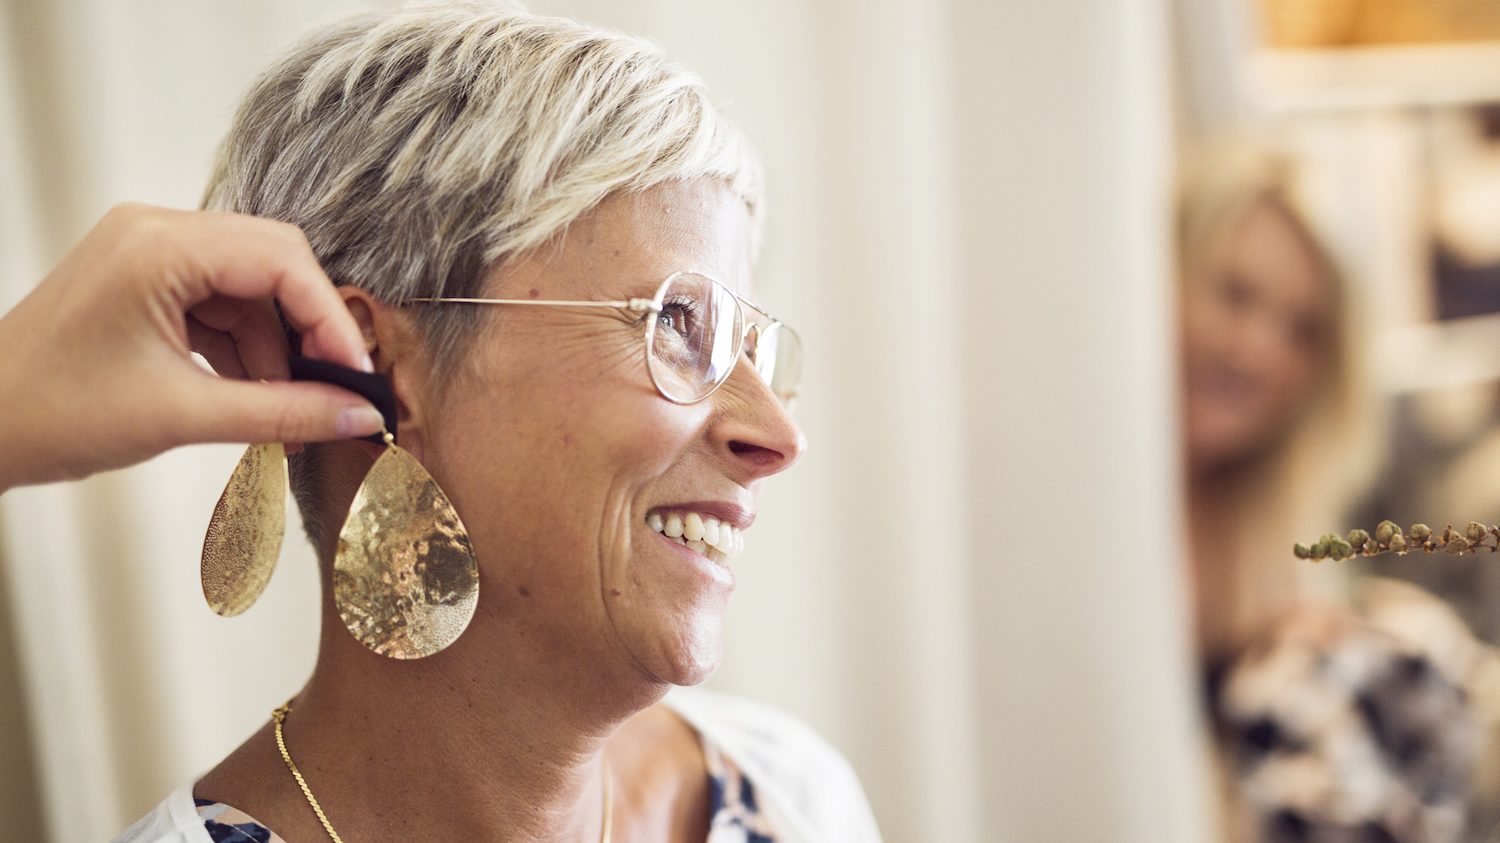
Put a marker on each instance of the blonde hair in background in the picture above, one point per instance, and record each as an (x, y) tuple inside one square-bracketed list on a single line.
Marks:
[(419, 149), (1302, 483)]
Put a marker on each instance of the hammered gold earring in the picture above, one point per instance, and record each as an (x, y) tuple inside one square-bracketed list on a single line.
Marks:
[(405, 580), (245, 532)]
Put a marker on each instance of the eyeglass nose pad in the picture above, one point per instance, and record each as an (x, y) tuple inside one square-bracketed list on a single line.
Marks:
[(752, 340)]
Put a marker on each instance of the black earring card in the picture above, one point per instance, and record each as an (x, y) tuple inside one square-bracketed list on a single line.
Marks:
[(375, 388)]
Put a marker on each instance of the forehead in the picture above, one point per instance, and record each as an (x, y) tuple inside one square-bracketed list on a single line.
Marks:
[(632, 240), (1267, 249)]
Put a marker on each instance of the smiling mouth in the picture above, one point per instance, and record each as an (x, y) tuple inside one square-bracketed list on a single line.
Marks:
[(716, 540)]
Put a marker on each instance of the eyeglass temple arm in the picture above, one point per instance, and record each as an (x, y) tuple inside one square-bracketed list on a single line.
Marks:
[(637, 305)]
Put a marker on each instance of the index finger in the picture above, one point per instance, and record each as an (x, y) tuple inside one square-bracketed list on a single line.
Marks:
[(248, 258)]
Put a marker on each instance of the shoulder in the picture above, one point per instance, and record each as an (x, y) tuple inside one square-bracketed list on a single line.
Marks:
[(786, 759), (175, 820), (753, 725)]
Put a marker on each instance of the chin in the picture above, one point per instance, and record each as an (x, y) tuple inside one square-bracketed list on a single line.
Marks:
[(1221, 444), (683, 656)]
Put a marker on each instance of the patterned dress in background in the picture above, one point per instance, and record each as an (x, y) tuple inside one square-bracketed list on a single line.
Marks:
[(1342, 730)]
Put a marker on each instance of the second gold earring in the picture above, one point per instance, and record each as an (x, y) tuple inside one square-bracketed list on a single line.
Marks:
[(245, 533)]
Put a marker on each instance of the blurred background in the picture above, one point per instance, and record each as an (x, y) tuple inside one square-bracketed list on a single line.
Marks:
[(1106, 304)]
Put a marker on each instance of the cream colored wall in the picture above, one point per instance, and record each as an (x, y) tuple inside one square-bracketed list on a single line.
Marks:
[(965, 585)]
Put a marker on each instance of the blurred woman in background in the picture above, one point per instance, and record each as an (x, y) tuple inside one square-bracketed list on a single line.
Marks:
[(1331, 725)]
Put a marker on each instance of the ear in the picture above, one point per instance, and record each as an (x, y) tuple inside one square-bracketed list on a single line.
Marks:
[(399, 353)]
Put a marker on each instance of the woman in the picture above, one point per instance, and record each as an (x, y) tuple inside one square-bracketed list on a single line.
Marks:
[(1271, 421), (450, 165), (1334, 726)]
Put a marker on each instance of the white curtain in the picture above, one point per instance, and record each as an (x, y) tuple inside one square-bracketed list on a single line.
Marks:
[(970, 584)]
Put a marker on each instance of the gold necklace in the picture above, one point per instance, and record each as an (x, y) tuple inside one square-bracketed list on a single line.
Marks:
[(279, 715)]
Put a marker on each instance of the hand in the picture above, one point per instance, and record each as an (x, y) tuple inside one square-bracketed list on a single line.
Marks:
[(95, 365)]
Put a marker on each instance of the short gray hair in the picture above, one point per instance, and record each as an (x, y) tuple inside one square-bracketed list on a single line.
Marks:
[(419, 149)]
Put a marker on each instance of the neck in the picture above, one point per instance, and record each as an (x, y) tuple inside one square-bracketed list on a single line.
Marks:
[(1211, 502), (506, 745), (1213, 523)]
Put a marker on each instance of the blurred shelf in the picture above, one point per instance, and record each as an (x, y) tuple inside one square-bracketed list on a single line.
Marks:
[(1438, 355), (1348, 78)]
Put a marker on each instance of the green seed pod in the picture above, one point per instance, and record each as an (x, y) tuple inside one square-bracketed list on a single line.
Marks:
[(1386, 531), (1421, 532), (1475, 532), (1340, 549), (1398, 543), (1458, 545), (1320, 550), (1301, 551), (1358, 539), (1448, 534)]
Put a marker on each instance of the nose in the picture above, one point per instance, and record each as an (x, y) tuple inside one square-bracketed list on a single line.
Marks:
[(752, 430)]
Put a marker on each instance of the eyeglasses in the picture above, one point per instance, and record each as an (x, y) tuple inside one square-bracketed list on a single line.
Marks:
[(695, 331)]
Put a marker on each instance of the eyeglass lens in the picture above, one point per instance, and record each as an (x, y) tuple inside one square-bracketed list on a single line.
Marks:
[(693, 342)]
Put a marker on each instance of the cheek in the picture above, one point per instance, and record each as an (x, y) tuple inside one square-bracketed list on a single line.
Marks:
[(558, 458), (1296, 380), (1207, 327)]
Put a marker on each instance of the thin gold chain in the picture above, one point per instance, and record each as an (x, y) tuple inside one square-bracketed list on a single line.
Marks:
[(279, 715)]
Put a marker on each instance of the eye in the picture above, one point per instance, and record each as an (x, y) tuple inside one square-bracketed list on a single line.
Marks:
[(680, 316), (1306, 332), (1235, 292)]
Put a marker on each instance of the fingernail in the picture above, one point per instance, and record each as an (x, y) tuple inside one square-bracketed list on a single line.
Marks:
[(366, 364), (359, 421)]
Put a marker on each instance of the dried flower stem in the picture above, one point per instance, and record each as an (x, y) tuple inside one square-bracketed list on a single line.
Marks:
[(1388, 538)]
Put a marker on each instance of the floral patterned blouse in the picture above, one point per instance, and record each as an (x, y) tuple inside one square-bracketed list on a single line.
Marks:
[(1357, 727), (735, 816)]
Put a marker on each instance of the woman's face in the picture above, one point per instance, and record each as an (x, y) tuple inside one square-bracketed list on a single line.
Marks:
[(558, 451), (1256, 324)]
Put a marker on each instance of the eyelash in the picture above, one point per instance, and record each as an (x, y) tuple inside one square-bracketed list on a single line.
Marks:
[(688, 306)]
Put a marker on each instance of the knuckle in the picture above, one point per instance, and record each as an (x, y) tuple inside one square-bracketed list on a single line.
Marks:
[(144, 231), (124, 212), (292, 233)]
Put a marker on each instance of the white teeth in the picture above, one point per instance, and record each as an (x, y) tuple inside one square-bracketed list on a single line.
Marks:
[(705, 534)]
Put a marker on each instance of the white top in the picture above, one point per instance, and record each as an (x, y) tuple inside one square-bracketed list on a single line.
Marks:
[(805, 788)]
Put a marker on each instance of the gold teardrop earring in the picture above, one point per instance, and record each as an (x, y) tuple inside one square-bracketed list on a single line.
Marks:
[(405, 580), (245, 533)]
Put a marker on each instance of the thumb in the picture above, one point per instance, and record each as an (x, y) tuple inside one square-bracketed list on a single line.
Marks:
[(230, 410)]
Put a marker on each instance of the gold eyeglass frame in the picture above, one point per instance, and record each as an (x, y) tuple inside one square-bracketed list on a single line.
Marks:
[(648, 310)]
